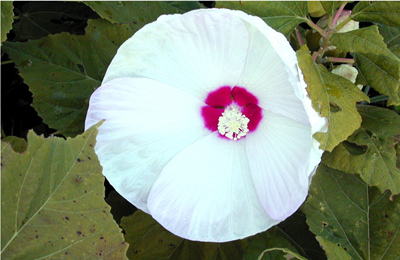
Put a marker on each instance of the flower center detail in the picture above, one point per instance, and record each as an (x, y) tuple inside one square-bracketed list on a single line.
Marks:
[(232, 123), (233, 112)]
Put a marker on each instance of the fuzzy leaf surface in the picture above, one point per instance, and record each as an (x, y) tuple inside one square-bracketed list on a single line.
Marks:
[(7, 18), (382, 12), (283, 16), (333, 97), (370, 151), (344, 210), (364, 40), (52, 202), (381, 72), (63, 70), (391, 36)]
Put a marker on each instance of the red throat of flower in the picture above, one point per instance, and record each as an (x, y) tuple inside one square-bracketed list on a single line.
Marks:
[(233, 112)]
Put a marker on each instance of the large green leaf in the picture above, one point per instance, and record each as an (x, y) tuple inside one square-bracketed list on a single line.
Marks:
[(283, 16), (41, 18), (333, 97), (365, 40), (7, 18), (18, 144), (63, 70), (342, 209), (52, 203), (370, 151), (139, 13), (331, 7), (380, 72), (383, 12)]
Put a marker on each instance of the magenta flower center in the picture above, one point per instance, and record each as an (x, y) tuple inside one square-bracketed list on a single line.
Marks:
[(233, 112)]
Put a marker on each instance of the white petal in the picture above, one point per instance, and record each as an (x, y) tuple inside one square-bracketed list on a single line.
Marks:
[(147, 123), (281, 157), (206, 193), (196, 52)]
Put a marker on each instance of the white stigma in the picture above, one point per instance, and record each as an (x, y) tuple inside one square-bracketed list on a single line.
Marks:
[(232, 123)]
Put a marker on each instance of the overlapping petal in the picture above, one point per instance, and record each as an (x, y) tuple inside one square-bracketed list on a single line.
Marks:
[(196, 52), (279, 156), (206, 193), (146, 124)]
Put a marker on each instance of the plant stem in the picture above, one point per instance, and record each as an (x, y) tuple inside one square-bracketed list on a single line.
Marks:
[(298, 34), (379, 98), (342, 60), (337, 15), (315, 27), (6, 62)]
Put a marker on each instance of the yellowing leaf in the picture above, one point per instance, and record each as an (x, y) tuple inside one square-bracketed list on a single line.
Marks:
[(370, 151), (63, 70), (283, 16), (342, 209), (333, 97), (52, 202)]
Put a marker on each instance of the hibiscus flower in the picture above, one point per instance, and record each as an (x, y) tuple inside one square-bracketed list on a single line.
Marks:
[(208, 126)]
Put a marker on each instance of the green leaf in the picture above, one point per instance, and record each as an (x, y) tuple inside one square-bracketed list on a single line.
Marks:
[(63, 70), (333, 97), (331, 7), (391, 36), (7, 18), (149, 240), (383, 12), (381, 72), (38, 19), (342, 209), (365, 40), (333, 251), (282, 16), (139, 13), (52, 202), (18, 144), (370, 151)]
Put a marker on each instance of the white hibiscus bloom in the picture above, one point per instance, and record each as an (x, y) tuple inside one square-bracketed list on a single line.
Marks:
[(208, 125)]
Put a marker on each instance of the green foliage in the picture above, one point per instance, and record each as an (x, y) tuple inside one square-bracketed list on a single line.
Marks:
[(377, 64), (139, 13), (342, 209), (381, 73), (331, 6), (52, 202), (120, 207), (333, 97), (38, 19), (7, 18), (282, 16), (63, 70), (333, 251), (370, 151), (391, 36), (383, 12)]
